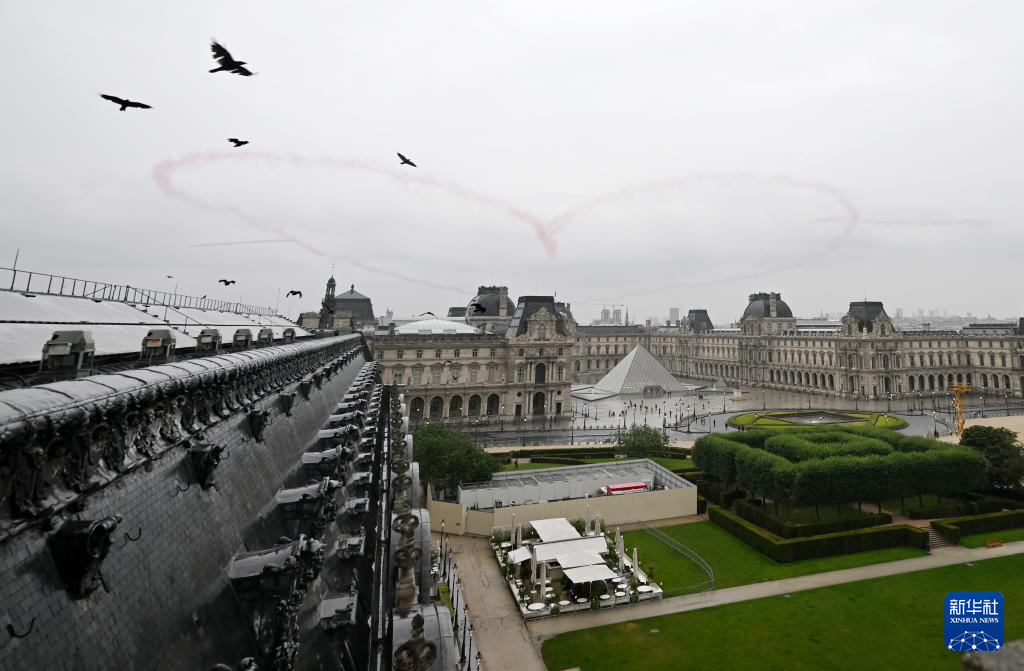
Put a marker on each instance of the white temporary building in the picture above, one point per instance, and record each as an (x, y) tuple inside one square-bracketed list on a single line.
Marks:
[(550, 551)]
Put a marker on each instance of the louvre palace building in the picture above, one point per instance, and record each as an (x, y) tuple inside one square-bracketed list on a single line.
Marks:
[(493, 361), (863, 355)]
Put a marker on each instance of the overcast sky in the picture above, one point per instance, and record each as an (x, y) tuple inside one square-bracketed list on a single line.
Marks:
[(671, 153)]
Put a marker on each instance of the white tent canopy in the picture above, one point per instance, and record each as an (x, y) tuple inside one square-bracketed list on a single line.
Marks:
[(519, 555), (549, 551), (589, 573), (555, 529), (577, 559)]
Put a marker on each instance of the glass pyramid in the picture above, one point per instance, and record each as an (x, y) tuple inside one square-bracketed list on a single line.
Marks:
[(639, 372)]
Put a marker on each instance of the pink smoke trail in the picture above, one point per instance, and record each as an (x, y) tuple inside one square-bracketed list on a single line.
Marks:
[(163, 173)]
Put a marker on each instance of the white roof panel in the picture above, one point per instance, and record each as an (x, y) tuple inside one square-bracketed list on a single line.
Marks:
[(577, 559), (549, 551), (554, 529), (519, 555), (589, 573)]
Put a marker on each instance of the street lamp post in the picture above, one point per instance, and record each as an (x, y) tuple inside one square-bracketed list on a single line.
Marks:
[(763, 406)]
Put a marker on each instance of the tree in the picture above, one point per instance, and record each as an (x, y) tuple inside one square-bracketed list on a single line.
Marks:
[(1004, 454), (640, 441), (447, 458)]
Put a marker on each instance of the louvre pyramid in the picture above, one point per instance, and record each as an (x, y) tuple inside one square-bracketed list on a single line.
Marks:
[(639, 371)]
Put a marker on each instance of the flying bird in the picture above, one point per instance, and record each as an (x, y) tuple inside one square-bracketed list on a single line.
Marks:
[(427, 313), (170, 277), (204, 295), (293, 292), (124, 102), (226, 282), (238, 143), (449, 361), (405, 161), (227, 63), (477, 308)]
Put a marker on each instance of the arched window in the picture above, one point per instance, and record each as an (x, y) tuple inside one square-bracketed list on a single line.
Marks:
[(542, 332)]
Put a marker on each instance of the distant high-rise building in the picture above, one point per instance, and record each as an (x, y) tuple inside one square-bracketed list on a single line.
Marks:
[(945, 312), (617, 316), (673, 315), (931, 313), (920, 312), (606, 315), (899, 313)]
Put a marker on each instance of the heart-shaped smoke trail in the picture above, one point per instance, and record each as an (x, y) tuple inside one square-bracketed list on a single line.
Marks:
[(849, 219)]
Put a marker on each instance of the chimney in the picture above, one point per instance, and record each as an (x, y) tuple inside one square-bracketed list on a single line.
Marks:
[(927, 326), (772, 305)]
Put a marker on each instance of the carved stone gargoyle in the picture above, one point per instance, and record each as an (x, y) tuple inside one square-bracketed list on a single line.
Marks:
[(287, 401), (205, 460), (258, 420), (79, 548)]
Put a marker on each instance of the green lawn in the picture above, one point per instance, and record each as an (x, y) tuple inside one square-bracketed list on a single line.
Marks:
[(733, 561), (1005, 535), (885, 623), (672, 462)]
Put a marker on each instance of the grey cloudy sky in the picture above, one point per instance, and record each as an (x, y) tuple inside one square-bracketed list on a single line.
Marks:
[(688, 153)]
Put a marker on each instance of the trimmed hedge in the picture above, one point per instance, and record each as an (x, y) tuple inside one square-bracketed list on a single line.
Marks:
[(593, 452), (956, 527), (795, 549), (702, 505), (753, 512), (823, 467), (564, 461), (957, 509)]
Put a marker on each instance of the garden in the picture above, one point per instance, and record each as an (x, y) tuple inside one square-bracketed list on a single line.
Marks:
[(782, 419), (765, 485), (884, 623)]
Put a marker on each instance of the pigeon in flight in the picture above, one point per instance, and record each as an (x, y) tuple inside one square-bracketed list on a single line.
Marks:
[(405, 161), (293, 292), (226, 282), (477, 308), (427, 313), (449, 361), (227, 63), (238, 143), (124, 102)]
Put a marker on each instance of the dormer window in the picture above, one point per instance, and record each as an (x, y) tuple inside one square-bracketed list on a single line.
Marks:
[(542, 332)]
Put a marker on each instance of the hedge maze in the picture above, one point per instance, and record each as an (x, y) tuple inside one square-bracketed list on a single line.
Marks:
[(828, 466)]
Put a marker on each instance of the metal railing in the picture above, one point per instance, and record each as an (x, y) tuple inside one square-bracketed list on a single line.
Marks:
[(705, 586), (25, 281)]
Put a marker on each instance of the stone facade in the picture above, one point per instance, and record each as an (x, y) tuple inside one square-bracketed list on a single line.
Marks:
[(525, 370), (861, 356)]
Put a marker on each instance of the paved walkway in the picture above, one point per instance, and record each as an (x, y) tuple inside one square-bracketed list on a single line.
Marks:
[(498, 628), (946, 556)]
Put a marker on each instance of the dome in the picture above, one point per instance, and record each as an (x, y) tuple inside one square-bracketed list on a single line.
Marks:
[(487, 301), (434, 327), (761, 305)]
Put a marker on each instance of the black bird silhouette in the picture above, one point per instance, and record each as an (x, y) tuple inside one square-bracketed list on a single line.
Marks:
[(226, 282), (405, 161), (227, 63), (204, 295), (477, 308), (170, 277), (238, 143), (427, 313), (449, 361), (124, 102), (293, 292)]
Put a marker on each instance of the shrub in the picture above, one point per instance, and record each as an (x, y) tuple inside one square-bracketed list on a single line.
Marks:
[(826, 545), (956, 527), (752, 512)]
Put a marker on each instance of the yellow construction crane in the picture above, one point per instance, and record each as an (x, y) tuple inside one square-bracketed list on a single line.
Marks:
[(958, 389)]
